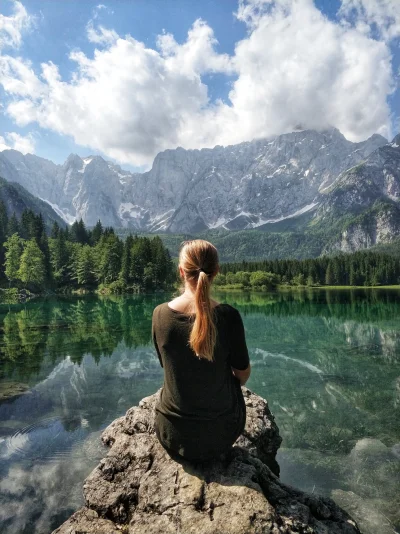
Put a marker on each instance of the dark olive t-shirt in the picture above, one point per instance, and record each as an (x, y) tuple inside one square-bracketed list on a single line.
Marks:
[(196, 391)]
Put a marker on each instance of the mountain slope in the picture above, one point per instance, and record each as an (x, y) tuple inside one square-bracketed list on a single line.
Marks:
[(363, 205), (17, 199)]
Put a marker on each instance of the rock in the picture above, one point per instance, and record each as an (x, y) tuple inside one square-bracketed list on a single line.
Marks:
[(10, 390), (370, 519), (138, 488), (86, 520), (235, 187)]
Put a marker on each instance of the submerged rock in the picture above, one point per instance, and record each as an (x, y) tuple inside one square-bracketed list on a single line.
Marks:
[(10, 390), (139, 488)]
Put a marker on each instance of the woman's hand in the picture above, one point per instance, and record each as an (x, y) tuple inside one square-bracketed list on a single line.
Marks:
[(243, 375)]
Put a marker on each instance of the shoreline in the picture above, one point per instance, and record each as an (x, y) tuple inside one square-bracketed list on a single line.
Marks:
[(14, 295)]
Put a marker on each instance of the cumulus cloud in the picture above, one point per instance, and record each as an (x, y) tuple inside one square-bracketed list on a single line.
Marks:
[(369, 15), (18, 142), (11, 27), (298, 67), (129, 101)]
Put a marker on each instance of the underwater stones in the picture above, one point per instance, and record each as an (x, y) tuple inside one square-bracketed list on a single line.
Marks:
[(370, 520)]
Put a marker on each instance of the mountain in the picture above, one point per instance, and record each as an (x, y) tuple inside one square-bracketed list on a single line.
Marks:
[(310, 192), (243, 186), (363, 204), (17, 199)]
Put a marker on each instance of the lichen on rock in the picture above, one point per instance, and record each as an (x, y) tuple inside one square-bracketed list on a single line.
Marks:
[(139, 488)]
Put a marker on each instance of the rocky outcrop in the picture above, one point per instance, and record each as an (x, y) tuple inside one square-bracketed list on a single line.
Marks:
[(139, 488)]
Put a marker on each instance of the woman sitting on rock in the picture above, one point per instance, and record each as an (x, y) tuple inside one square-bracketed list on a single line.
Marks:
[(201, 346)]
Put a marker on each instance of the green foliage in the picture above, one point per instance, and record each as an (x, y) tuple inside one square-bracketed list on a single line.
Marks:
[(80, 259), (32, 268), (362, 268), (261, 278), (13, 246)]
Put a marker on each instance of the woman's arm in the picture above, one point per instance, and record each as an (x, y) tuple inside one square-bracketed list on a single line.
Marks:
[(242, 376)]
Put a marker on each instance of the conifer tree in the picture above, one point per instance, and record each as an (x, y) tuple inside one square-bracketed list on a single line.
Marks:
[(3, 220), (96, 233), (55, 230), (13, 226), (126, 261), (85, 268), (59, 257), (14, 248)]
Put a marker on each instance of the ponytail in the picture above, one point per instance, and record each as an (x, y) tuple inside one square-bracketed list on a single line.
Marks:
[(199, 260)]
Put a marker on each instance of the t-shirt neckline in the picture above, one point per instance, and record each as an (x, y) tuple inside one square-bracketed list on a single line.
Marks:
[(185, 313)]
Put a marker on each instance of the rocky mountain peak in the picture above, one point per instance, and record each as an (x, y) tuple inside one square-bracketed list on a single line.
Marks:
[(396, 141), (248, 185)]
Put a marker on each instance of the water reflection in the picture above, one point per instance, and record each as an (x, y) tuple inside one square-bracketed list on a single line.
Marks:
[(328, 363)]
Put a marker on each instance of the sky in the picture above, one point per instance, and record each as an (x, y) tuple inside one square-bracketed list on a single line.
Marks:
[(126, 79)]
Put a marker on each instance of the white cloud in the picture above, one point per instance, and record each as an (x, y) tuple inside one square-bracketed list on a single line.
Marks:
[(367, 15), (129, 101), (100, 35), (197, 55), (18, 142), (11, 27), (298, 67)]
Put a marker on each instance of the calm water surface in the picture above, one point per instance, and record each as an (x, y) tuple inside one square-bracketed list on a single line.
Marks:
[(328, 362)]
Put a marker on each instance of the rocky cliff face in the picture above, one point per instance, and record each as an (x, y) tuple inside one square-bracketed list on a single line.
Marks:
[(235, 187), (365, 200), (139, 488)]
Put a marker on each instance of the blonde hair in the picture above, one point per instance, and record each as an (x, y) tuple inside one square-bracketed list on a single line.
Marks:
[(199, 261)]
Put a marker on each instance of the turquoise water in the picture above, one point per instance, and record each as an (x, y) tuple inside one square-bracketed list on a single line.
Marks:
[(328, 362)]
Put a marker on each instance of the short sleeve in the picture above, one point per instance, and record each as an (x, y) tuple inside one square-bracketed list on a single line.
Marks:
[(238, 352), (153, 335)]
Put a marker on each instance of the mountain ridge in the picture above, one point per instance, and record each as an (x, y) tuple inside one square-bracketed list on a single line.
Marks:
[(296, 180)]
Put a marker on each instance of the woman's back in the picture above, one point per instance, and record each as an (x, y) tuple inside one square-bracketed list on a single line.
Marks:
[(196, 387), (201, 407)]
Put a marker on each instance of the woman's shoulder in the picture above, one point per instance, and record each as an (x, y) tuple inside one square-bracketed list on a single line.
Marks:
[(228, 308), (158, 309)]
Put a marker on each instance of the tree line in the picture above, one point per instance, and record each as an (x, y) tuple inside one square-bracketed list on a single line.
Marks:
[(79, 258), (75, 257), (362, 268)]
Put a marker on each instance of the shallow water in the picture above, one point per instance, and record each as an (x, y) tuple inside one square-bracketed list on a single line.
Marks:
[(328, 362)]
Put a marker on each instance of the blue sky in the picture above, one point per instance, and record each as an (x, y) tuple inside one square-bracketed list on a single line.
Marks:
[(132, 128)]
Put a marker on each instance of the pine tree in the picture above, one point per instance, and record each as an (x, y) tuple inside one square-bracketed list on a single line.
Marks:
[(55, 230), (3, 220), (97, 232), (13, 226), (126, 261), (13, 254), (329, 279), (59, 257), (28, 224), (85, 268), (109, 253)]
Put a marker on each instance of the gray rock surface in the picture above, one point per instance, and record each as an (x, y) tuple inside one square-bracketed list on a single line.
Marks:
[(234, 187), (139, 488), (369, 191)]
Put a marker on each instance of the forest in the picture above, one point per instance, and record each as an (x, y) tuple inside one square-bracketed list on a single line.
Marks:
[(362, 268), (77, 258)]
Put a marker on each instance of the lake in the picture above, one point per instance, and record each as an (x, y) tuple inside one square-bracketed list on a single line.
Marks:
[(327, 361)]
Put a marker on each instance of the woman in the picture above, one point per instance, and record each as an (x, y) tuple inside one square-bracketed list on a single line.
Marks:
[(201, 346)]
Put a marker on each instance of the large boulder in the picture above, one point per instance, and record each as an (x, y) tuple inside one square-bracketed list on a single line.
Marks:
[(139, 488)]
